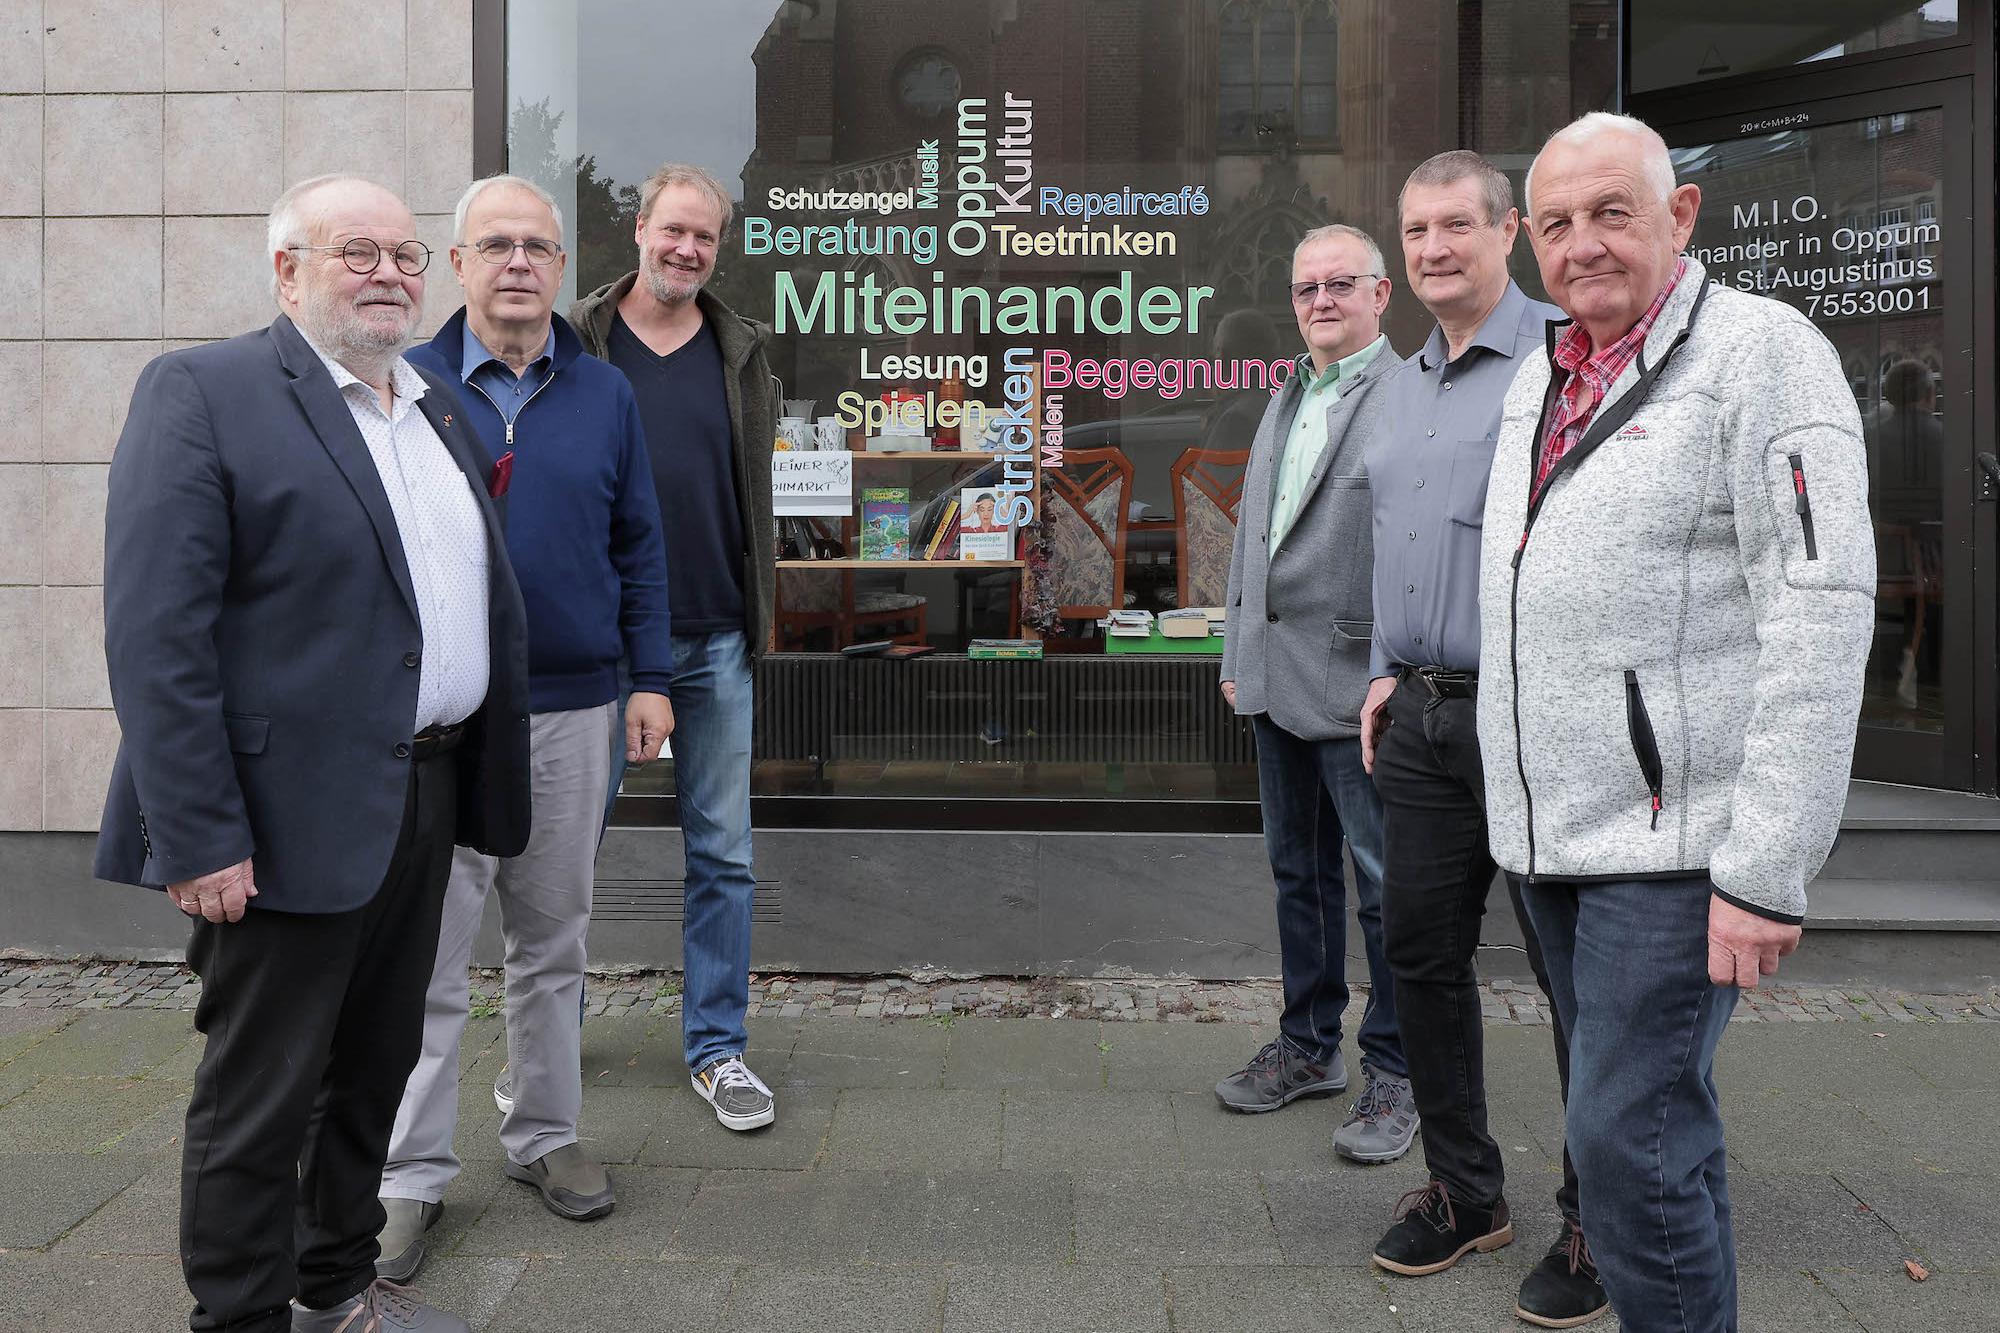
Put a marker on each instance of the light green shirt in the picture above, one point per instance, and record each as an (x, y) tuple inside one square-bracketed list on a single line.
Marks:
[(1307, 440)]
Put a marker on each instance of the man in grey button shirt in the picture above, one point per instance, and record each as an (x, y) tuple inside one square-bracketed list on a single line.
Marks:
[(1428, 464)]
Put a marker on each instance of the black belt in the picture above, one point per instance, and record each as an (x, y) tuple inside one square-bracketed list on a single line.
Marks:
[(1444, 684), (434, 741)]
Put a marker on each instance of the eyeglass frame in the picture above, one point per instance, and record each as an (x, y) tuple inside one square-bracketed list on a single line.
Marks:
[(1307, 293), (478, 247), (380, 250)]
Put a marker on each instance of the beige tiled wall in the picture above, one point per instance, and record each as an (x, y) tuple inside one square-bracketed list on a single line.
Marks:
[(141, 142)]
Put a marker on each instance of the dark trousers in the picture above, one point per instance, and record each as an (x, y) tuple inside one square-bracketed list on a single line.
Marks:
[(1629, 963), (313, 1023), (1316, 797), (1437, 870)]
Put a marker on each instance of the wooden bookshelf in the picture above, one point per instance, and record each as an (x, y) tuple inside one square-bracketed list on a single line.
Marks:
[(902, 564), (908, 455)]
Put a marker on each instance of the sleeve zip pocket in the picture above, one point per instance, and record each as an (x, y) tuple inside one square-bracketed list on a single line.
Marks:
[(1644, 746), (1802, 503)]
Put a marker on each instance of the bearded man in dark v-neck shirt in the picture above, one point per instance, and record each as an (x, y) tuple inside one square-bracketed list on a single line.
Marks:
[(708, 403)]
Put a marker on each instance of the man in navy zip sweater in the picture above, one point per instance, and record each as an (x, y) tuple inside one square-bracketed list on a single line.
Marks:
[(583, 528)]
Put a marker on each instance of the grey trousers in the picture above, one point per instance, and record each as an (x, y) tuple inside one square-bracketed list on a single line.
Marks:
[(544, 919)]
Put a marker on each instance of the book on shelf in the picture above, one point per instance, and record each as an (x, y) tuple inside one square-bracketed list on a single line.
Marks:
[(1193, 622), (999, 649), (981, 534), (885, 523), (941, 541)]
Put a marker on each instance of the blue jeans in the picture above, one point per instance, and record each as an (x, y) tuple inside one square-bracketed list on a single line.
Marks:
[(1315, 795), (712, 699), (1628, 968)]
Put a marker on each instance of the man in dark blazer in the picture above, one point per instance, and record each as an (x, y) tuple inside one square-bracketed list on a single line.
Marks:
[(1295, 661), (317, 653)]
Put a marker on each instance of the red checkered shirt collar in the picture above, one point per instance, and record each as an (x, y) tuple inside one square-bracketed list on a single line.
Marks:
[(1591, 377)]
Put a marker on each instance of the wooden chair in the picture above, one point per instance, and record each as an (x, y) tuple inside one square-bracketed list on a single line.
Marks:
[(1091, 494), (811, 600), (1208, 490)]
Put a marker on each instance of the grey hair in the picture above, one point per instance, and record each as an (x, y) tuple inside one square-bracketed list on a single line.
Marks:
[(290, 225), (485, 183), (1376, 268), (1655, 162), (695, 178), (1459, 164)]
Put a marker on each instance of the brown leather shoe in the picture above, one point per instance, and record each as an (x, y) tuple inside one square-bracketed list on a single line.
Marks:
[(572, 1185)]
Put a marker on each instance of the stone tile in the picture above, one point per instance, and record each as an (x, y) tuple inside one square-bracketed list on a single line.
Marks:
[(217, 277), (868, 1053), (22, 518), (1103, 1130), (859, 1298), (1178, 1057), (616, 1050), (1102, 1299), (21, 402), (112, 1046), (21, 651), (475, 1289), (651, 1201), (1944, 1216), (442, 297), (440, 43), (44, 1194), (73, 523), (225, 45), (1023, 1053), (20, 777), (361, 133), (21, 274), (1281, 1300), (1786, 1300), (20, 46), (93, 46), (1298, 1138), (1334, 1217), (926, 1130), (21, 156), (86, 392), (1806, 1221), (616, 1121), (1177, 1217), (614, 1293), (439, 163), (686, 1132), (140, 1295), (225, 152), (347, 44), (143, 1218), (1476, 1294), (1891, 1303), (102, 277), (79, 746), (1765, 1127), (1945, 1055), (101, 155), (1947, 1127), (65, 1115), (74, 671)]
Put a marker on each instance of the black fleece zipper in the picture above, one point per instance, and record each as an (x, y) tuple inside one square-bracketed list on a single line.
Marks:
[(1600, 430), (1645, 746), (1802, 502)]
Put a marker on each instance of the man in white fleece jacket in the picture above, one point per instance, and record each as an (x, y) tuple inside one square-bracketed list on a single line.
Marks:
[(1676, 601)]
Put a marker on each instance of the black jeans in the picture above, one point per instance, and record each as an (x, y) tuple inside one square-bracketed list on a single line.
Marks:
[(314, 1023), (1436, 871)]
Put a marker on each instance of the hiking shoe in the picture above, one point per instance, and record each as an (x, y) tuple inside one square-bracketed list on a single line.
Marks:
[(1432, 1233), (1383, 1123), (401, 1238), (740, 1099), (1563, 1290), (572, 1185), (1278, 1074), (503, 1092), (385, 1307)]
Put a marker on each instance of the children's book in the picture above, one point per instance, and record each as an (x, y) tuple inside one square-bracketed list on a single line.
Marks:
[(885, 523)]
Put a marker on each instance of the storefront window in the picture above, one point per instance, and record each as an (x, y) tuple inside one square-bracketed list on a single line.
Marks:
[(1025, 265), (1692, 41)]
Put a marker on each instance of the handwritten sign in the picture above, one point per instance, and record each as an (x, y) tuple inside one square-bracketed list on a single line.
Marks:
[(816, 482)]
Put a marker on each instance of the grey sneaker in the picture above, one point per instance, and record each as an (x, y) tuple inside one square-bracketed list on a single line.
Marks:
[(384, 1307), (1277, 1074), (1383, 1123), (572, 1185), (740, 1099), (503, 1092), (402, 1237)]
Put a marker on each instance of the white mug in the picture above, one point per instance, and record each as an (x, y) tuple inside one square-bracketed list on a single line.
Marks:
[(830, 434)]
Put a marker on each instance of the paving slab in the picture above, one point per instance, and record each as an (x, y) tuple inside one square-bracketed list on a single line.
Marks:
[(1943, 1217), (117, 1045), (1084, 1298), (1803, 1221), (1786, 1300), (1776, 1128), (142, 1218), (1476, 1295), (614, 1294), (1297, 1137), (1173, 1217), (635, 1050), (1948, 1127), (1105, 1130), (651, 1201), (1279, 1300), (1892, 1303), (43, 1195), (46, 1293), (928, 1129), (1024, 1053), (868, 1053), (1947, 1055), (86, 1114), (858, 1298), (1331, 1218), (616, 1122), (1175, 1057), (685, 1131), (473, 1288)]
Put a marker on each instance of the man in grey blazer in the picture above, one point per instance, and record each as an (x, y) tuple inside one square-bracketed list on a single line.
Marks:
[(1295, 662)]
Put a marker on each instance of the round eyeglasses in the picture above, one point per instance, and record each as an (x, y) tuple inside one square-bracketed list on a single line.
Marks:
[(362, 255), (500, 250)]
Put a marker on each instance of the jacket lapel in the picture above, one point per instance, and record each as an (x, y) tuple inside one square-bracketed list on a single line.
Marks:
[(1267, 451), (334, 424), (1338, 414)]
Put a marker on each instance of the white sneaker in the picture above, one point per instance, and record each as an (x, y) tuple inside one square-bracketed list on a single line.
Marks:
[(503, 1092), (740, 1099)]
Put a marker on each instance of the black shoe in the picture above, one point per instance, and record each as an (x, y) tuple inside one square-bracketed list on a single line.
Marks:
[(1278, 1074), (1432, 1233), (1563, 1291)]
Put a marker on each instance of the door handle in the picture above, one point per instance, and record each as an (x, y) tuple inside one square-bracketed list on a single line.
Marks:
[(1989, 478)]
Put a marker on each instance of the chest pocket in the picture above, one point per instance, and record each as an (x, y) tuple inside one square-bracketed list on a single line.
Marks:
[(1471, 465)]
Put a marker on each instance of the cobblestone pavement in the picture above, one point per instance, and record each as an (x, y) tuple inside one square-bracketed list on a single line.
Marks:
[(39, 985)]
